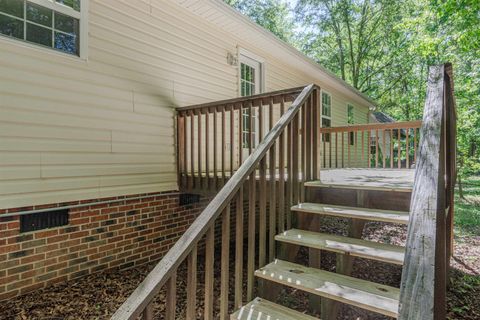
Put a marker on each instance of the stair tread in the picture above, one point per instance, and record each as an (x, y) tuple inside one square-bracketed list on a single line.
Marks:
[(357, 185), (261, 309), (357, 292), (354, 212), (340, 244)]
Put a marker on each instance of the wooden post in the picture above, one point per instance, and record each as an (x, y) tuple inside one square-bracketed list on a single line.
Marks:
[(251, 236), (423, 286), (171, 303), (209, 273), (239, 250), (225, 263), (192, 285)]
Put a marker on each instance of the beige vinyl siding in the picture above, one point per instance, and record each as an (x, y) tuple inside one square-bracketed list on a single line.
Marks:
[(72, 129)]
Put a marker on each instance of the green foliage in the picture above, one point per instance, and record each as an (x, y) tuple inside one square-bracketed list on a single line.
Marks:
[(384, 47), (273, 15), (467, 209)]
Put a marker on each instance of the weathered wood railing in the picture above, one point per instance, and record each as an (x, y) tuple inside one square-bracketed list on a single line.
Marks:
[(214, 139), (380, 145), (430, 230), (295, 153)]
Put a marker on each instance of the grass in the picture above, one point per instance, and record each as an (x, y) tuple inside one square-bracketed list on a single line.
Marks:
[(467, 210)]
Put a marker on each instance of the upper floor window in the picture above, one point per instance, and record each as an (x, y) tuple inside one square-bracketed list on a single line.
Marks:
[(49, 23), (326, 114), (350, 120)]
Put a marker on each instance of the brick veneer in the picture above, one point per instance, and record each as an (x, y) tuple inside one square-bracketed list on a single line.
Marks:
[(122, 234)]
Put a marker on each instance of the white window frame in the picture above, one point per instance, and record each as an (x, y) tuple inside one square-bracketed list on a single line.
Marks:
[(322, 92), (244, 55), (82, 16)]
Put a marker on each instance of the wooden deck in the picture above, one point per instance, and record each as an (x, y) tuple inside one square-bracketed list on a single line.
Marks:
[(372, 179)]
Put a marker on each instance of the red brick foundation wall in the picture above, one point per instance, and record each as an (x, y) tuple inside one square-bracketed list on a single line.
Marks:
[(123, 234)]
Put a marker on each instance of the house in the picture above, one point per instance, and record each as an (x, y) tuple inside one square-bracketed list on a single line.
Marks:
[(88, 95), (121, 120)]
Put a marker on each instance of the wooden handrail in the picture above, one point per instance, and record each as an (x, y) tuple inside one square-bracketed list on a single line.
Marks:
[(143, 295), (423, 285), (374, 126), (235, 101)]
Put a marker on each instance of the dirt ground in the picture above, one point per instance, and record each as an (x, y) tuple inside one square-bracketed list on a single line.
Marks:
[(98, 296)]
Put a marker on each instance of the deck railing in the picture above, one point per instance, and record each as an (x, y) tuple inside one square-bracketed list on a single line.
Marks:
[(296, 153), (380, 145), (430, 231), (214, 139)]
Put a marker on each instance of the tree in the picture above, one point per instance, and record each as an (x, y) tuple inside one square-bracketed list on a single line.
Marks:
[(384, 47), (273, 15)]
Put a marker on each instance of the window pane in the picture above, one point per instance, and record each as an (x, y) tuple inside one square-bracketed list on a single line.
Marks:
[(75, 4), (66, 43), (12, 7), (326, 110), (350, 114), (242, 74), (38, 14), (39, 35), (66, 24), (11, 27), (326, 123)]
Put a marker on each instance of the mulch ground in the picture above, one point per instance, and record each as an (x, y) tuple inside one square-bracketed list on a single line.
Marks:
[(98, 296)]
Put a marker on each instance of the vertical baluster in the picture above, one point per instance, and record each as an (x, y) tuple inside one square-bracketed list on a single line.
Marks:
[(363, 148), (192, 285), (399, 151), (391, 148), (192, 147), (251, 141), (209, 274), (330, 150), (324, 138), (295, 173), (348, 148), (215, 149), (343, 150), (315, 117), (171, 302), (240, 135), (307, 176), (281, 179), (336, 149), (303, 143), (232, 139), (251, 236), (224, 132), (199, 147), (262, 197), (415, 146), (181, 149), (384, 137), (207, 149), (148, 312), (272, 201), (239, 249), (225, 274), (376, 148), (369, 146), (407, 154), (289, 175), (355, 136)]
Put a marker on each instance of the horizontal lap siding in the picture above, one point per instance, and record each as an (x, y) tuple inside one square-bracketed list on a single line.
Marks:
[(73, 129)]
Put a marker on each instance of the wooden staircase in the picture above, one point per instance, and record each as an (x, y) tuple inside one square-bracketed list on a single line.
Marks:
[(329, 286), (270, 206)]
